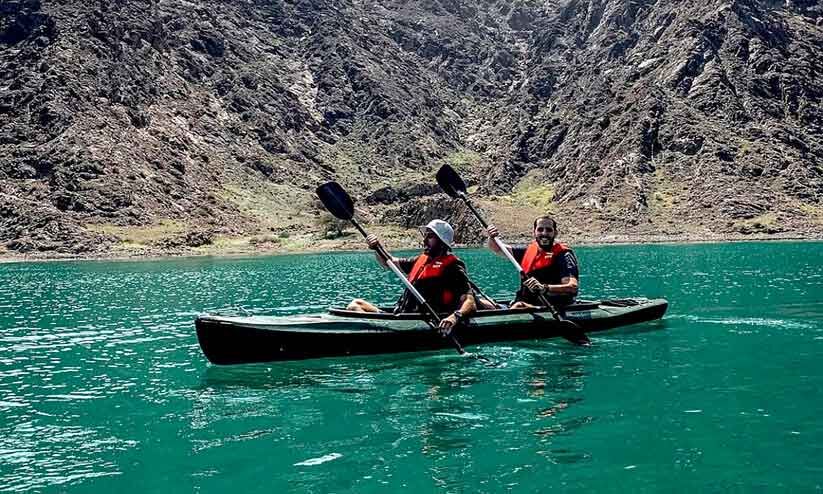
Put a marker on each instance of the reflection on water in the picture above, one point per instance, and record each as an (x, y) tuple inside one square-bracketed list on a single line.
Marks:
[(449, 409)]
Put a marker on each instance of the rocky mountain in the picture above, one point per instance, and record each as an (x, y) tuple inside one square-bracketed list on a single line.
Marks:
[(155, 125)]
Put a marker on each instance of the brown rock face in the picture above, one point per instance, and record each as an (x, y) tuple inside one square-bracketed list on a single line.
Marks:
[(634, 117)]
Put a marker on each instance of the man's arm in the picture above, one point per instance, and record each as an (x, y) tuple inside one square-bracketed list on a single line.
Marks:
[(467, 303), (567, 286), (494, 233), (468, 306), (374, 242)]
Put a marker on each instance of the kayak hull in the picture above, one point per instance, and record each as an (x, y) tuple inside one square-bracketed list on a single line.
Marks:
[(227, 340)]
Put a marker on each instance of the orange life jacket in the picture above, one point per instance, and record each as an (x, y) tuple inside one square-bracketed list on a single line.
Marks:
[(536, 258), (426, 267)]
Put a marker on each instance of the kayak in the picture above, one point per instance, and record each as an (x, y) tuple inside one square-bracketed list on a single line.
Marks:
[(233, 339)]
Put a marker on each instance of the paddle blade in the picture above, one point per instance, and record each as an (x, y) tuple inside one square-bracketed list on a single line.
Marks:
[(450, 181), (336, 200), (571, 332)]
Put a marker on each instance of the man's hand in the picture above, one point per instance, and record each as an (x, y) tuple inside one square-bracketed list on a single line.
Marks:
[(447, 324), (492, 231), (373, 241), (534, 285)]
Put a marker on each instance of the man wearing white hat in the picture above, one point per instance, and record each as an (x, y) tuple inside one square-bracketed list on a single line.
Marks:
[(436, 273)]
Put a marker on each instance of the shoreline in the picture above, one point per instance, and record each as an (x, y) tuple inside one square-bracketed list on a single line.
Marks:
[(354, 243)]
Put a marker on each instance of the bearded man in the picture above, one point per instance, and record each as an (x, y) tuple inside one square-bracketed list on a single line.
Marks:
[(549, 268), (436, 273)]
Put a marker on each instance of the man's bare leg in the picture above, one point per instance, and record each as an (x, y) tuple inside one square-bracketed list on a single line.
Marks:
[(360, 305), (522, 305), (483, 304)]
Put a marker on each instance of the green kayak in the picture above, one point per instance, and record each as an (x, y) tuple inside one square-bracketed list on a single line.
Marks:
[(236, 339)]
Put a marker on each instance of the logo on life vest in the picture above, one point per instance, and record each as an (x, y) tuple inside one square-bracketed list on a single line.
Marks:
[(422, 269)]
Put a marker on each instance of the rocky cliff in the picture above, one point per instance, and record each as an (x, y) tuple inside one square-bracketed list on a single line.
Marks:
[(128, 126)]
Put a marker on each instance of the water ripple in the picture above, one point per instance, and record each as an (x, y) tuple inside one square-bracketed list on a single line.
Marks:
[(749, 321)]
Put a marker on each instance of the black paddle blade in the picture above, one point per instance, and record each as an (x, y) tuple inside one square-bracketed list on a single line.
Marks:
[(571, 332), (336, 200), (450, 181)]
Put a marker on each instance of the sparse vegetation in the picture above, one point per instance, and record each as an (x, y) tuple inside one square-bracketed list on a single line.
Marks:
[(265, 201), (815, 213), (137, 237), (330, 227), (224, 243), (765, 223), (532, 191), (129, 248), (464, 159), (663, 198), (262, 240), (665, 193)]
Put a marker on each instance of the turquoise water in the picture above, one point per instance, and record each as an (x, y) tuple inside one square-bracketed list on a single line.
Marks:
[(103, 386)]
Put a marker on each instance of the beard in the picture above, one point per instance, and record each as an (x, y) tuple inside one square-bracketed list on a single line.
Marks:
[(545, 242)]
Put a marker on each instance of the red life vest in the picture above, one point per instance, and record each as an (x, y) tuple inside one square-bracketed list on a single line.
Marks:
[(536, 258), (424, 269)]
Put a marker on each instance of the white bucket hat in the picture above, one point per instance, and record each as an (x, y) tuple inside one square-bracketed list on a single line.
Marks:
[(443, 230)]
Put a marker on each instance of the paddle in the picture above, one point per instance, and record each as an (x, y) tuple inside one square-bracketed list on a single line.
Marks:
[(340, 204), (451, 183)]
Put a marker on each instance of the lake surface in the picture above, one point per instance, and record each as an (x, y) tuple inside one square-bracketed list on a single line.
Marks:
[(103, 387)]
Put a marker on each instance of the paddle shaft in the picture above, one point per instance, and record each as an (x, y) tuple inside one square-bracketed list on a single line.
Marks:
[(420, 299)]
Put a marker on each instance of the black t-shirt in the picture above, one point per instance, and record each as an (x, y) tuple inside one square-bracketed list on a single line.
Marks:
[(454, 279), (563, 266)]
